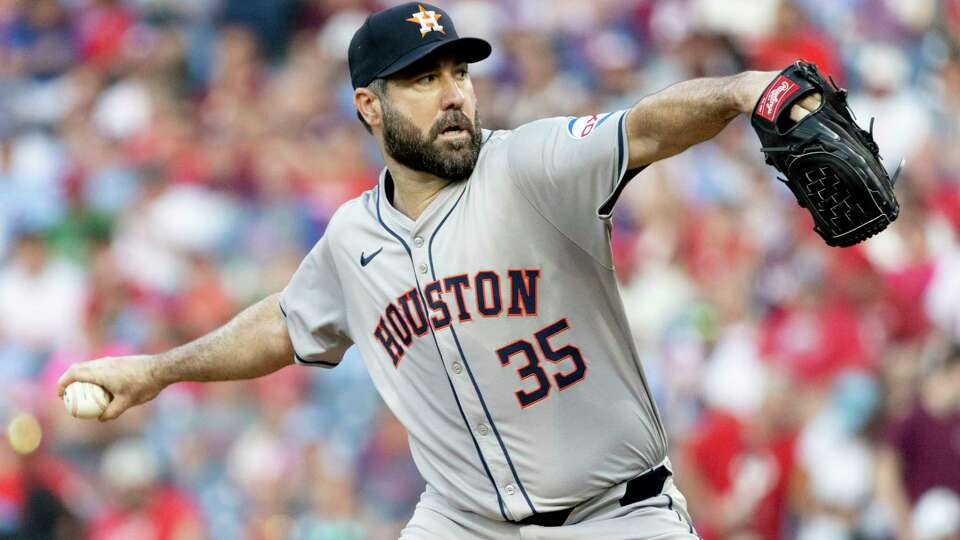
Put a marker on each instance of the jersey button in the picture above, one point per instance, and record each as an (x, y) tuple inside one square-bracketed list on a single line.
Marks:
[(457, 368), (422, 269), (509, 489), (418, 241), (483, 430)]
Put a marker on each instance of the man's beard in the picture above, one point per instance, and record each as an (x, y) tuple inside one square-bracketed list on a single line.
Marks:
[(450, 160)]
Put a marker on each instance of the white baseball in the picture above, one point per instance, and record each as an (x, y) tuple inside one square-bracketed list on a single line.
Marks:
[(85, 400)]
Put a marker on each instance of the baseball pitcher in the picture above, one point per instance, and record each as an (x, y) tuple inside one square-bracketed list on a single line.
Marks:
[(476, 280)]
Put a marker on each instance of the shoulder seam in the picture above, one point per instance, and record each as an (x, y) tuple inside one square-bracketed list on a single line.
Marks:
[(545, 218), (347, 206)]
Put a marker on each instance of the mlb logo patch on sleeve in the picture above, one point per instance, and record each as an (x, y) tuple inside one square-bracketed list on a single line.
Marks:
[(581, 128)]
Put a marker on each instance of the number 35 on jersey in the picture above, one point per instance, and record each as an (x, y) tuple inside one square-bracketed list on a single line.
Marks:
[(442, 302)]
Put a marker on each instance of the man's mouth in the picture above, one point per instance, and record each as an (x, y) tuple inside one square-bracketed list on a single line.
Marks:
[(453, 133), (454, 130)]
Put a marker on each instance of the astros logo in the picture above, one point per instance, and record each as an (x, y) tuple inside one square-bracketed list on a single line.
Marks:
[(428, 21)]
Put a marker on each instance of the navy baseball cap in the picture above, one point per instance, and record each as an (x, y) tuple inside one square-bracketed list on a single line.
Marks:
[(395, 38)]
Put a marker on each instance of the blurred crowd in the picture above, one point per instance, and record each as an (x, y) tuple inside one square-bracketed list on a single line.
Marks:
[(164, 163)]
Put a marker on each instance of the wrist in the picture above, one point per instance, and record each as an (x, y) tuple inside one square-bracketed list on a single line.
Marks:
[(160, 369), (749, 86)]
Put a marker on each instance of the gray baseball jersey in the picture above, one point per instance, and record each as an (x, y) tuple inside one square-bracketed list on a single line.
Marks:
[(492, 325)]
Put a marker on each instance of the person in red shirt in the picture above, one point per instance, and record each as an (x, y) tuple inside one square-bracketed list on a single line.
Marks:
[(814, 338), (737, 470), (793, 37), (34, 494), (139, 505), (102, 29)]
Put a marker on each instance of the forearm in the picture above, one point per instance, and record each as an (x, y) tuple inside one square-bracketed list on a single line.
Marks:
[(252, 344), (689, 112)]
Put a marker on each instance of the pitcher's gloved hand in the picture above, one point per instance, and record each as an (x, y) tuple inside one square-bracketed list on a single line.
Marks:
[(832, 165)]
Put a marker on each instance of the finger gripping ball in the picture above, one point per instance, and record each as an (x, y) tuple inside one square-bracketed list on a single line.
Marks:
[(85, 400)]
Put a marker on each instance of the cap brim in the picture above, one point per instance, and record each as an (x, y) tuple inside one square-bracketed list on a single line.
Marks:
[(468, 49)]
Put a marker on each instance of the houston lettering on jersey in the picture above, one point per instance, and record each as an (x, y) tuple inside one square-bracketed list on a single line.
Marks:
[(460, 297)]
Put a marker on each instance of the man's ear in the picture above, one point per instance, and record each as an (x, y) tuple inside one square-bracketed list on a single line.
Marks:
[(368, 105)]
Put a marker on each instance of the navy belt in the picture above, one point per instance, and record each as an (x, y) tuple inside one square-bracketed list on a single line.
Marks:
[(648, 484)]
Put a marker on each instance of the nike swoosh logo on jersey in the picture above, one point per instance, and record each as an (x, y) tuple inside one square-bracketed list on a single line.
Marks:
[(366, 260)]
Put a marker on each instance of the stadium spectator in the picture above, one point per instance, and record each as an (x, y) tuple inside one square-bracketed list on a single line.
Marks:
[(921, 450), (138, 504)]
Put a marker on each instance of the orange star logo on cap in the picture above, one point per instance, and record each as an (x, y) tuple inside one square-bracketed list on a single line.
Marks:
[(428, 21)]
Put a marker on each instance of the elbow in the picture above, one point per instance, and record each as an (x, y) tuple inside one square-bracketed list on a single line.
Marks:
[(272, 325)]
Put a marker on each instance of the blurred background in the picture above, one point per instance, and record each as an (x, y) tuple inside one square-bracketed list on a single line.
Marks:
[(164, 163)]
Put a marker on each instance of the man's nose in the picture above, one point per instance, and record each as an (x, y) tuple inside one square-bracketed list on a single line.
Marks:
[(453, 96)]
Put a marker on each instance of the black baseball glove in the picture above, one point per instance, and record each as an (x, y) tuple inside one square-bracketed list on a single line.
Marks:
[(831, 165)]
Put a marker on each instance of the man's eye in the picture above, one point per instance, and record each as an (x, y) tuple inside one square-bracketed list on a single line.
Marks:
[(462, 74), (426, 79)]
